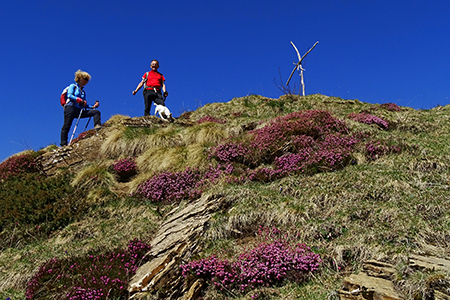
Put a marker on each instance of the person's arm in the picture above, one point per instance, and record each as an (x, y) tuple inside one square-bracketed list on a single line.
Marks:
[(165, 93), (97, 104), (71, 95), (139, 86), (71, 92)]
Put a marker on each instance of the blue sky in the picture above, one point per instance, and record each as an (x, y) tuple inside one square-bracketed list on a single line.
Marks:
[(376, 51)]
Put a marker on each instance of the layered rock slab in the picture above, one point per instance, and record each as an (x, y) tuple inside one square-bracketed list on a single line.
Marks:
[(177, 240)]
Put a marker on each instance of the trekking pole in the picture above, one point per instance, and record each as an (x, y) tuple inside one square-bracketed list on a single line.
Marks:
[(89, 119), (81, 110), (87, 123)]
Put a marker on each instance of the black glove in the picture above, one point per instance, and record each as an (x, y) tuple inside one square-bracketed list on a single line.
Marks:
[(166, 94)]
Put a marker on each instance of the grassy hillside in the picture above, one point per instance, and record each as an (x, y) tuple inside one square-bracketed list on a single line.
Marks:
[(351, 180)]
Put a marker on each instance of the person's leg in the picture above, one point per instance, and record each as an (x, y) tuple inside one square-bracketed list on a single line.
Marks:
[(147, 102), (70, 113), (92, 113), (159, 99)]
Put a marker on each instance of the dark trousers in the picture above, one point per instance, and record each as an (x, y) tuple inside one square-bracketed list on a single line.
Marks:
[(72, 112), (152, 96)]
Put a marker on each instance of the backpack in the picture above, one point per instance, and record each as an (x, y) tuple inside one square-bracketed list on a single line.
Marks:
[(63, 98), (146, 79)]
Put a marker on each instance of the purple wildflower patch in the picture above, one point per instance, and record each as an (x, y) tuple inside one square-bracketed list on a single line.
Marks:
[(295, 143), (94, 277), (376, 149), (16, 165), (277, 259), (390, 107), (176, 186), (229, 152), (169, 186), (369, 119), (210, 119), (125, 168)]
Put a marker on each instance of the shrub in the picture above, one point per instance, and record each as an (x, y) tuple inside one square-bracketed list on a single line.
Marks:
[(369, 119), (17, 165), (219, 272), (92, 277), (390, 107), (169, 186), (188, 184), (266, 142), (270, 262), (125, 168), (185, 115), (33, 205), (376, 149), (229, 152), (292, 132), (295, 143), (84, 135), (210, 119)]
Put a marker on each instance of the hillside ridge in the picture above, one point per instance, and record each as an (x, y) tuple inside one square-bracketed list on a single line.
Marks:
[(353, 182)]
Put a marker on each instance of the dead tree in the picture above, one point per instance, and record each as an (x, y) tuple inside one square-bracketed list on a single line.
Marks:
[(299, 67)]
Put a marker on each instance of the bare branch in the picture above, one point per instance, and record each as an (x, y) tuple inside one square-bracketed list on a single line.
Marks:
[(300, 70), (298, 53), (284, 89), (300, 61)]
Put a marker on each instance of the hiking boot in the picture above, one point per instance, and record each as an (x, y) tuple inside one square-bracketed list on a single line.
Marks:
[(98, 127)]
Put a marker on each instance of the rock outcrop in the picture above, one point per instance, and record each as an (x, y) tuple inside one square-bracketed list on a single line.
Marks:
[(375, 282), (177, 240), (80, 150)]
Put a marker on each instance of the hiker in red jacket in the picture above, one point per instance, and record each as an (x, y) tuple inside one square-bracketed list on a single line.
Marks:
[(154, 87)]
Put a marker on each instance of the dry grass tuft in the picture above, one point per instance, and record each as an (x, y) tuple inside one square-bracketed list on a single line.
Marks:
[(94, 176), (196, 156), (160, 158), (141, 177), (346, 255), (207, 133), (164, 137), (116, 119), (114, 146), (108, 228), (129, 141), (14, 280)]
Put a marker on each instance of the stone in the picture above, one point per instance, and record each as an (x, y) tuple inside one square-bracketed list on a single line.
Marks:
[(440, 296), (74, 155), (429, 262), (364, 287), (194, 290), (379, 269), (375, 282), (176, 241)]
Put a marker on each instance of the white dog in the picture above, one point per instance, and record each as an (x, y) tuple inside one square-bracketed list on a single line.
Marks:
[(164, 112)]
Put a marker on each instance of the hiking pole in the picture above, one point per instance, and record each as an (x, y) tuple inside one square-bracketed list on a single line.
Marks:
[(89, 119), (87, 123), (81, 110)]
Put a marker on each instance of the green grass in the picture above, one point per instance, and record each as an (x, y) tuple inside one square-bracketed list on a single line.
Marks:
[(131, 133), (382, 209)]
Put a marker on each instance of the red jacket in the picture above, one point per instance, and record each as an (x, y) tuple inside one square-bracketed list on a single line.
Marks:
[(154, 79)]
